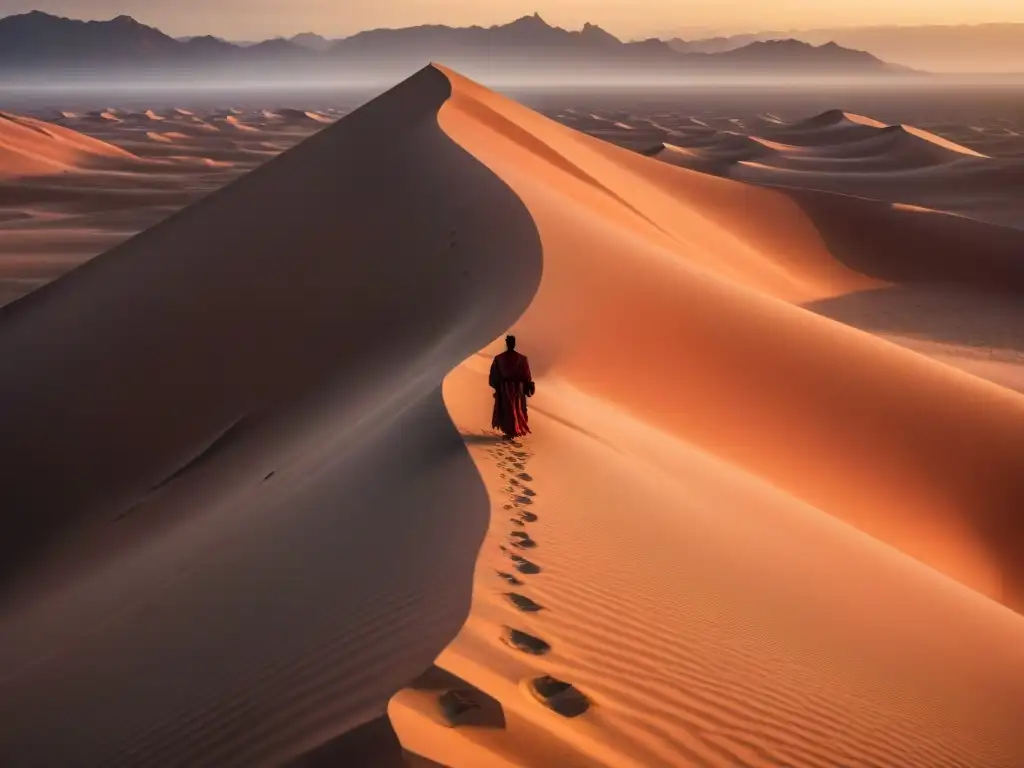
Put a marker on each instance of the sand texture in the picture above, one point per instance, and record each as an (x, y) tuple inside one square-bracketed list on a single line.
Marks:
[(769, 514)]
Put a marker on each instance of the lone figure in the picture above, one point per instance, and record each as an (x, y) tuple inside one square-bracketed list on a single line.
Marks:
[(512, 384)]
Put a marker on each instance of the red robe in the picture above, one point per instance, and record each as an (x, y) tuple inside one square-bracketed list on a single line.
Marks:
[(511, 380)]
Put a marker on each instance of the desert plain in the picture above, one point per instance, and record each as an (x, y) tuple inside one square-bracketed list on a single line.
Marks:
[(769, 514)]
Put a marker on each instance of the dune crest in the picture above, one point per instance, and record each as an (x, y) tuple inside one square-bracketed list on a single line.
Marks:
[(847, 153)]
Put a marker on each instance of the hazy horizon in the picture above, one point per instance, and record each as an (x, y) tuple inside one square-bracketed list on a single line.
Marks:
[(237, 20)]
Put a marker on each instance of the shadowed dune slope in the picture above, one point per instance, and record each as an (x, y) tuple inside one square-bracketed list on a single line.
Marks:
[(222, 435)]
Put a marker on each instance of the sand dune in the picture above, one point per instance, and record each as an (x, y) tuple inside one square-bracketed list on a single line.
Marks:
[(235, 123), (887, 149), (834, 118), (109, 116), (30, 147), (843, 152), (743, 533), (787, 257), (297, 440), (146, 116), (578, 323), (295, 116)]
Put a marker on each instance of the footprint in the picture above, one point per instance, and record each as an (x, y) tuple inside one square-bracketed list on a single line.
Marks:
[(523, 603), (525, 642), (525, 477), (525, 566), (510, 579), (517, 465), (559, 696), (509, 506), (516, 521), (528, 517), (529, 492), (522, 540), (458, 707), (469, 706), (522, 500)]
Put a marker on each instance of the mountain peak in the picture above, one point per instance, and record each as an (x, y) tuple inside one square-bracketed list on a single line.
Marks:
[(311, 40), (533, 20), (595, 33)]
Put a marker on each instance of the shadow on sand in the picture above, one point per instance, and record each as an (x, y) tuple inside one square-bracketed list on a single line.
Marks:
[(373, 745), (482, 438), (911, 247), (950, 314)]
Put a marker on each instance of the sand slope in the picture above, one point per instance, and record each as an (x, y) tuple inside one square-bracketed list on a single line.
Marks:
[(748, 534), (856, 155), (60, 203), (30, 147), (699, 444), (198, 562)]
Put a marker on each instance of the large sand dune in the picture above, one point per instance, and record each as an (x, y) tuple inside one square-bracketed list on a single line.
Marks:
[(743, 533)]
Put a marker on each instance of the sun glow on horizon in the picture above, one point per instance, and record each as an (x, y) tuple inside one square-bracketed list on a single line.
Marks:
[(260, 19)]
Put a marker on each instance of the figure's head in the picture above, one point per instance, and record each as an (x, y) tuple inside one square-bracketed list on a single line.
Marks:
[(510, 342)]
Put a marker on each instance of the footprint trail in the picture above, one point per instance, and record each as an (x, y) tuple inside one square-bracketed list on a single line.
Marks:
[(558, 696)]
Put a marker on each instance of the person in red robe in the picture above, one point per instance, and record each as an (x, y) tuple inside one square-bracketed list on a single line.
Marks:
[(512, 384)]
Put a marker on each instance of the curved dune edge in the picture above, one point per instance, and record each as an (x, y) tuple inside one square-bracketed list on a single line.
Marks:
[(854, 155), (804, 346), (31, 147), (283, 532), (858, 150), (704, 454)]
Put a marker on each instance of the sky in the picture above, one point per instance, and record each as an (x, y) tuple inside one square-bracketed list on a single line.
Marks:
[(628, 19)]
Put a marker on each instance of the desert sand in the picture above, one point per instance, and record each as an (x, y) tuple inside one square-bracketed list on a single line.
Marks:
[(768, 514)]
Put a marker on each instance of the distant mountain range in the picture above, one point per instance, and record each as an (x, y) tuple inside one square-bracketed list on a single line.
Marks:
[(39, 44), (964, 48)]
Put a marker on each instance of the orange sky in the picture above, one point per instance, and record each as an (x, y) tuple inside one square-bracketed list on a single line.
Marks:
[(248, 19)]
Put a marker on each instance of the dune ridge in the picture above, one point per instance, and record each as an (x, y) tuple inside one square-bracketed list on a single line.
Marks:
[(617, 457), (853, 154), (785, 238), (731, 539), (138, 552)]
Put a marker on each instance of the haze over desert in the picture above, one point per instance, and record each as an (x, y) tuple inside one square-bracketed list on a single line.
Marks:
[(768, 513)]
